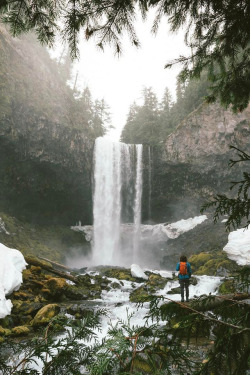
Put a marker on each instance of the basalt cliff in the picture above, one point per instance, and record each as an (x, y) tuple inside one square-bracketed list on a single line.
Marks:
[(192, 166)]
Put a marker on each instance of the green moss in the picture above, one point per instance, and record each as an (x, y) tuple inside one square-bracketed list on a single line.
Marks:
[(52, 242), (139, 295), (199, 260), (211, 263), (20, 331), (4, 331), (45, 314), (227, 287), (119, 273)]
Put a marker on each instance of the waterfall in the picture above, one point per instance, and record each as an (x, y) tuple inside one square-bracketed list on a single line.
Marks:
[(149, 182), (137, 203), (117, 197)]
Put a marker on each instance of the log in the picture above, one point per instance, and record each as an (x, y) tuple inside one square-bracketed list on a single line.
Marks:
[(56, 264), (63, 267), (47, 266), (206, 304)]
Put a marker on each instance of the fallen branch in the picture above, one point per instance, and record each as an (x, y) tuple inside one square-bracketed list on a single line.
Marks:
[(194, 310), (47, 266)]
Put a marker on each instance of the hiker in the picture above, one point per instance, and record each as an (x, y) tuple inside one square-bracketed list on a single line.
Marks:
[(184, 275)]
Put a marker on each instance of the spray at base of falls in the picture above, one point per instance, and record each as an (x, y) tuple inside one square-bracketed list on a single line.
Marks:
[(117, 197)]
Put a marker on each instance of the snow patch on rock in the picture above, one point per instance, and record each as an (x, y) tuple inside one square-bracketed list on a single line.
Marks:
[(12, 263), (136, 271), (2, 227), (238, 246), (173, 230)]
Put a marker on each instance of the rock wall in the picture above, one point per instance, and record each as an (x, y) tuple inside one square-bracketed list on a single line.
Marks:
[(46, 144), (192, 166)]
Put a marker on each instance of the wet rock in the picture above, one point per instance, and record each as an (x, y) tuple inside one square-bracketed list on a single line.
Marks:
[(25, 308), (4, 331), (118, 273), (156, 282), (79, 311), (176, 290), (115, 285), (20, 331), (140, 294), (45, 314), (54, 288), (227, 287), (77, 293)]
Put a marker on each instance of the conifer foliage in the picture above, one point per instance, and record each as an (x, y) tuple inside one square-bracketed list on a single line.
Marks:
[(217, 32)]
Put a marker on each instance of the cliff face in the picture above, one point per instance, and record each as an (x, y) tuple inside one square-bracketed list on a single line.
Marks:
[(193, 164), (206, 132), (46, 143)]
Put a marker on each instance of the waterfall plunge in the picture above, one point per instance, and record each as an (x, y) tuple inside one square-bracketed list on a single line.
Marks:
[(117, 198)]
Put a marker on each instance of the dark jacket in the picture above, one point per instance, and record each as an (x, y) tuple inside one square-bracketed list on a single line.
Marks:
[(189, 271)]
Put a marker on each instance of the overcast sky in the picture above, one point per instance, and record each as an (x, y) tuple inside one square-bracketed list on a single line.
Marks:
[(119, 80)]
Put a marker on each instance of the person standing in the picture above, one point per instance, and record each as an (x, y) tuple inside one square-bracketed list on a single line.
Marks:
[(184, 275)]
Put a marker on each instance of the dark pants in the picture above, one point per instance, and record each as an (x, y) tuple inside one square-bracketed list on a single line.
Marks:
[(184, 283)]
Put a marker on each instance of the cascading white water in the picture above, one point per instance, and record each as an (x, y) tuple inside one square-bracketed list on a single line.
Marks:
[(117, 188), (149, 182), (137, 205)]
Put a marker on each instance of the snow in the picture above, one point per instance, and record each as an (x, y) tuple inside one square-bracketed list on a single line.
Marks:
[(2, 227), (12, 264), (238, 246), (136, 271), (161, 232), (173, 230)]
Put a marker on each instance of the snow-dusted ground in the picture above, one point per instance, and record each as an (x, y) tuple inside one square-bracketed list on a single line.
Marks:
[(238, 246), (12, 264)]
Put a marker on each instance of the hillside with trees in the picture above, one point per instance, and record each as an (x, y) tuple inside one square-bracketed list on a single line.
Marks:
[(152, 122), (46, 129)]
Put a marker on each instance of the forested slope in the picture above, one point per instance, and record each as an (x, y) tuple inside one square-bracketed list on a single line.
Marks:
[(46, 136)]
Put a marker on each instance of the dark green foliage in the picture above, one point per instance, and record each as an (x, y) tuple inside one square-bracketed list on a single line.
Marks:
[(237, 209), (152, 122), (217, 33)]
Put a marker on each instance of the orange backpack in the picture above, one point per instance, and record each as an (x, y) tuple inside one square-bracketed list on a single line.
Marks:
[(183, 268)]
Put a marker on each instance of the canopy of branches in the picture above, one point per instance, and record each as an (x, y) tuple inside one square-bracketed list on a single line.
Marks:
[(217, 32)]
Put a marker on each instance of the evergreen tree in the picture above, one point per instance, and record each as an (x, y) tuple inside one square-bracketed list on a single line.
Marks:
[(217, 32), (143, 124)]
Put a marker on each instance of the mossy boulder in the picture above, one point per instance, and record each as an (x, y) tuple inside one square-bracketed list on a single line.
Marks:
[(20, 331), (140, 294), (79, 311), (54, 288), (115, 285), (213, 264), (118, 273), (227, 287), (76, 293), (199, 260), (4, 331), (6, 322), (25, 308), (45, 314)]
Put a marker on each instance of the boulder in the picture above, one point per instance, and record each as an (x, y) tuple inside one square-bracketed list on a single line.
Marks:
[(20, 331), (137, 272), (45, 314)]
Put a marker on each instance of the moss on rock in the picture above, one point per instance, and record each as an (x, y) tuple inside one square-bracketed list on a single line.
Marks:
[(45, 314), (139, 295), (4, 331), (227, 287), (20, 331)]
